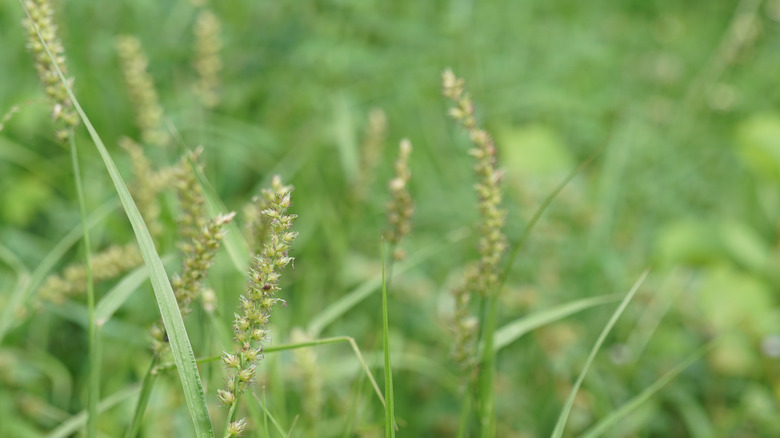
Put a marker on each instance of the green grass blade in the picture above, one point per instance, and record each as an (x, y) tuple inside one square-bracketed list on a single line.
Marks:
[(129, 333), (516, 329), (9, 258), (389, 404), (273, 419), (76, 422), (166, 302), (294, 346), (28, 287), (603, 425), (561, 423), (344, 304), (540, 210), (119, 294), (23, 280), (487, 370), (143, 399)]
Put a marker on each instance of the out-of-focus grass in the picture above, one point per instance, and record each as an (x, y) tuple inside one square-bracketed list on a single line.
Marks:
[(688, 179)]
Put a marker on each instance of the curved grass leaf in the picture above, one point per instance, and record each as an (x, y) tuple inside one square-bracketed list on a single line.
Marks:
[(602, 426), (561, 423), (273, 419), (28, 286), (295, 346), (166, 302), (76, 422), (516, 329), (116, 297), (344, 304)]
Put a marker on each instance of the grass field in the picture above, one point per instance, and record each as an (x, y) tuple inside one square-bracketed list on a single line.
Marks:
[(615, 272)]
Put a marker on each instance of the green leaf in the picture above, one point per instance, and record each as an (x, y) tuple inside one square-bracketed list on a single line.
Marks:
[(564, 415), (341, 306), (516, 329), (116, 297), (27, 286), (610, 420), (76, 422)]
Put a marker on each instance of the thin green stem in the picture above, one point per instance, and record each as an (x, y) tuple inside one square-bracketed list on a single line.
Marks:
[(143, 398), (538, 214), (231, 414), (465, 414), (390, 264), (93, 338), (389, 399), (487, 403)]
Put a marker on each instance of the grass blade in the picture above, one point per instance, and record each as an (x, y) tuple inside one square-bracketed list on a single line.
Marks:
[(273, 419), (28, 286), (325, 341), (166, 302), (541, 209), (516, 329), (602, 426), (561, 423), (389, 404), (23, 280), (487, 370), (341, 306), (119, 294), (76, 422), (143, 399)]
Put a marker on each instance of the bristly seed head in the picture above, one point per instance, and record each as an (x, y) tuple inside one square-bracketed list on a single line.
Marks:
[(251, 326)]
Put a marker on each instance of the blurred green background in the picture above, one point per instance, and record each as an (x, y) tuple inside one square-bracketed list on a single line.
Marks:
[(679, 100)]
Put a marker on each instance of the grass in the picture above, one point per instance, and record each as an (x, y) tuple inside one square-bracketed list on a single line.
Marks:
[(627, 135)]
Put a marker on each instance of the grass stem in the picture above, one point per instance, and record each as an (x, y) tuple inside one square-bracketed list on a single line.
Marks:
[(93, 338)]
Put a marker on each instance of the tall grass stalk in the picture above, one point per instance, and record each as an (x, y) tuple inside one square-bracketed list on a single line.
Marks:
[(143, 398), (180, 344), (389, 399), (93, 338)]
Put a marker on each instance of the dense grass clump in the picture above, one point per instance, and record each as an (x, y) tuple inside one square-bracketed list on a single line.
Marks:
[(366, 218)]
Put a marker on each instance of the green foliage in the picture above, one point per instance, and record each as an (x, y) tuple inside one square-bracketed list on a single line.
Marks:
[(672, 106)]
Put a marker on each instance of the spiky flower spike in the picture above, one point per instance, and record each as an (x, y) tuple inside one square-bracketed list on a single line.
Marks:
[(149, 113), (483, 277), (251, 326), (188, 285), (371, 151), (207, 62), (192, 201), (147, 184), (42, 17), (492, 242), (107, 264), (400, 207)]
